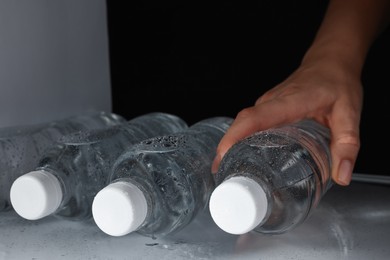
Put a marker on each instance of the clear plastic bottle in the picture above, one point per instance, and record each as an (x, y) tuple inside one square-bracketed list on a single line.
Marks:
[(70, 173), (159, 185), (271, 181), (21, 146)]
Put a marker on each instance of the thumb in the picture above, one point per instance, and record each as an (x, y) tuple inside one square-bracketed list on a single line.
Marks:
[(344, 149)]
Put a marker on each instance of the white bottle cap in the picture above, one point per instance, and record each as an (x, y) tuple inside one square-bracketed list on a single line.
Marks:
[(238, 205), (36, 194), (119, 209)]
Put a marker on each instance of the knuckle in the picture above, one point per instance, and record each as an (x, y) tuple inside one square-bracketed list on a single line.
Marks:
[(245, 113), (349, 139)]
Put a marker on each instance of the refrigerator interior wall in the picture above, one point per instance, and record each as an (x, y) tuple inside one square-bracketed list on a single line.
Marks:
[(53, 59)]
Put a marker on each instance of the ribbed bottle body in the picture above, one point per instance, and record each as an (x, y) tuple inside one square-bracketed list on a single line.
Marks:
[(22, 146), (291, 164), (82, 161), (174, 174)]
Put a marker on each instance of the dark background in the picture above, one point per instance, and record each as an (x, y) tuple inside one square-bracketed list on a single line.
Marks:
[(198, 60)]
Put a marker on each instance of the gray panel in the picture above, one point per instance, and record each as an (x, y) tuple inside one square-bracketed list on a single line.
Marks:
[(53, 59)]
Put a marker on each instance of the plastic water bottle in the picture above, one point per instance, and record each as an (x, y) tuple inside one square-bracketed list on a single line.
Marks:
[(21, 146), (70, 174), (271, 181), (159, 185)]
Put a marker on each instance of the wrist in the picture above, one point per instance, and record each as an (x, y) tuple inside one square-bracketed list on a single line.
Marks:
[(336, 56)]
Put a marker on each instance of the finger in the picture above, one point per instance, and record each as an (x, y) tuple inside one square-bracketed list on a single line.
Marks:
[(345, 145)]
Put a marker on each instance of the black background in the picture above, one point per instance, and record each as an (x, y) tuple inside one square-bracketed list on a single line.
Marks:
[(202, 59)]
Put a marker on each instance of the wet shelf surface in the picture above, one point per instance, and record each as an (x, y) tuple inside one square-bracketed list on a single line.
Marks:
[(350, 223)]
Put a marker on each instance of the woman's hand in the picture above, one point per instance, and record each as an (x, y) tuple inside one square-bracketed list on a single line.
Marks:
[(325, 90)]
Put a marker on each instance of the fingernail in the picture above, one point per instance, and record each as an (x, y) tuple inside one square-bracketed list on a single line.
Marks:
[(345, 172), (214, 166)]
